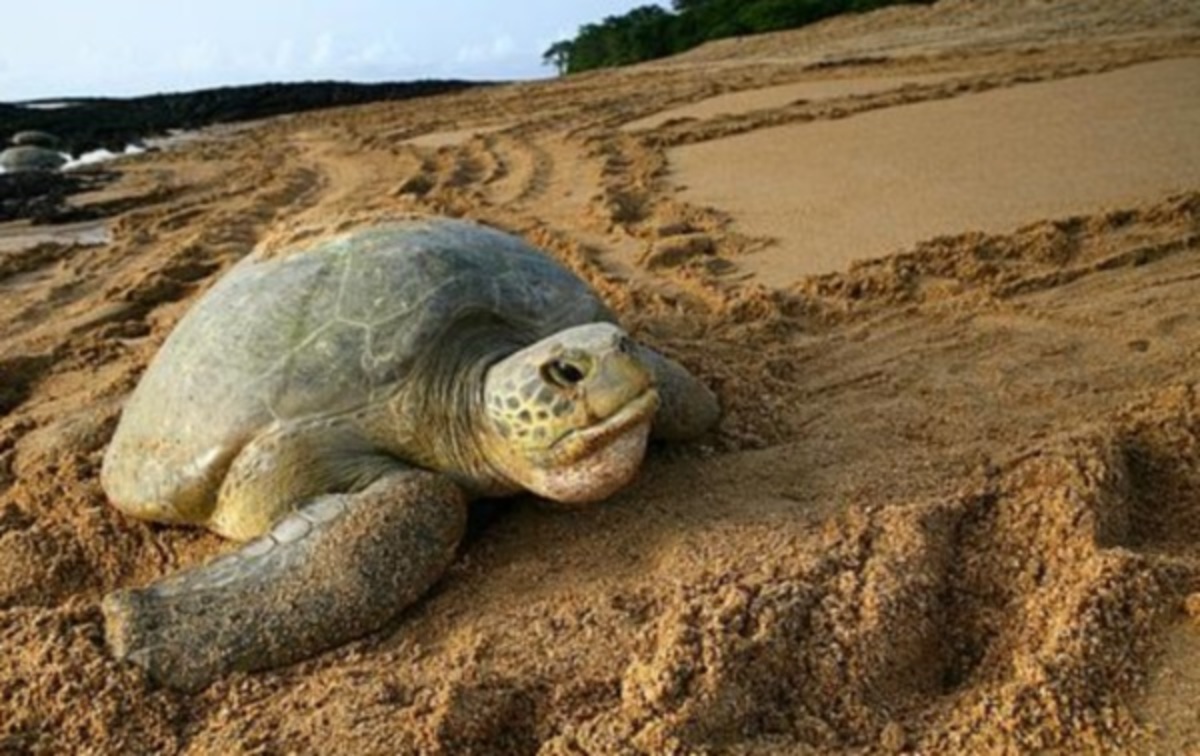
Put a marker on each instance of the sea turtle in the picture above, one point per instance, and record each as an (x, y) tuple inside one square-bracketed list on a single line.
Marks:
[(337, 406), (16, 159), (33, 138)]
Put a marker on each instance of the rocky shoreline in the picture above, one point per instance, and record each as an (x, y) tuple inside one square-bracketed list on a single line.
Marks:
[(81, 126), (41, 196)]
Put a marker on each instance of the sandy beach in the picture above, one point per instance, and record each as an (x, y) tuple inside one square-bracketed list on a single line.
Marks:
[(940, 263)]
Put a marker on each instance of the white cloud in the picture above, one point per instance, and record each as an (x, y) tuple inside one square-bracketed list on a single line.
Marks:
[(322, 50), (500, 47), (89, 59), (199, 57), (368, 54), (285, 54)]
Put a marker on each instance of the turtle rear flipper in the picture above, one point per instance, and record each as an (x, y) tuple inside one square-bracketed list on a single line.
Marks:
[(338, 568)]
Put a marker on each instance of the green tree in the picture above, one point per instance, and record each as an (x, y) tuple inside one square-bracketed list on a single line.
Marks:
[(651, 31), (684, 6), (559, 56), (772, 15)]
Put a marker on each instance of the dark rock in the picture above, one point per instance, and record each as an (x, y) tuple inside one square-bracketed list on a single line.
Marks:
[(86, 124), (41, 195)]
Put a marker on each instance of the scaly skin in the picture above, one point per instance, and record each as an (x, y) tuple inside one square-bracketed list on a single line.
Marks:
[(339, 568), (557, 411)]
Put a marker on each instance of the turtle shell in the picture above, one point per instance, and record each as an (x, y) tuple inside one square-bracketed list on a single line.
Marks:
[(16, 159), (320, 330), (33, 138)]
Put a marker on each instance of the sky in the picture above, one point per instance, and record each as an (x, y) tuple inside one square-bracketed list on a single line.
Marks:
[(63, 48)]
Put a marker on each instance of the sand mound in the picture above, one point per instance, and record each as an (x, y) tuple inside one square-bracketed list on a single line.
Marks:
[(953, 504)]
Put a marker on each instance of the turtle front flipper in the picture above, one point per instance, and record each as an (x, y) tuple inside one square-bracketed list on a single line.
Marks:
[(339, 568), (687, 407)]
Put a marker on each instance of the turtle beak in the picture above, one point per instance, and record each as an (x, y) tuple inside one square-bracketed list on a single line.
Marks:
[(618, 380)]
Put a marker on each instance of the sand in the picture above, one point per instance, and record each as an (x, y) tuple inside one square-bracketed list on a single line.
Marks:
[(953, 503), (768, 98), (452, 138), (15, 237), (882, 181)]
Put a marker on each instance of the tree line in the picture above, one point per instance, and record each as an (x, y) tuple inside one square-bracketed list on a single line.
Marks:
[(652, 31)]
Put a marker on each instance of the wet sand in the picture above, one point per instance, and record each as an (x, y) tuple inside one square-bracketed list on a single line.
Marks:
[(953, 502)]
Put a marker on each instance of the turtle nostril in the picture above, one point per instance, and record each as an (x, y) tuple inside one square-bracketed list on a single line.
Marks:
[(624, 345), (562, 373)]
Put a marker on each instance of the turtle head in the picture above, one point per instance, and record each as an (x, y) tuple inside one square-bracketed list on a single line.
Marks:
[(568, 417)]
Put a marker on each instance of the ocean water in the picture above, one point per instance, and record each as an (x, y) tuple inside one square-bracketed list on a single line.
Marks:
[(96, 156), (101, 155)]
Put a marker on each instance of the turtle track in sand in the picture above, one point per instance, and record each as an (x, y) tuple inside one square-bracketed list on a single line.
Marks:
[(524, 168), (95, 307), (952, 504)]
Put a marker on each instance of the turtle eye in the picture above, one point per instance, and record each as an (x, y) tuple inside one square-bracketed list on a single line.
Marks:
[(563, 373)]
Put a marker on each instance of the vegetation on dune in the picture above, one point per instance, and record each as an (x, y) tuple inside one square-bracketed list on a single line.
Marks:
[(652, 31)]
